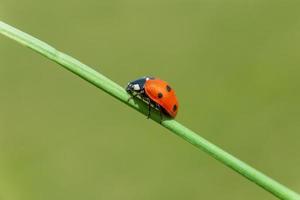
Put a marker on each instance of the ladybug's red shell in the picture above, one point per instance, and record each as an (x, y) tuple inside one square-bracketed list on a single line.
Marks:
[(160, 92)]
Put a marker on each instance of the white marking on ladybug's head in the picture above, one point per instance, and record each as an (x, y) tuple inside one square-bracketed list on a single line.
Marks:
[(136, 87), (147, 78)]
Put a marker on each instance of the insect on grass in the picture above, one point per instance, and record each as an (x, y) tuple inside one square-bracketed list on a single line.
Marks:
[(113, 89)]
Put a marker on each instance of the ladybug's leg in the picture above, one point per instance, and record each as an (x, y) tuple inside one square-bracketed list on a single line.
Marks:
[(149, 108), (131, 97), (134, 95), (160, 112), (161, 116)]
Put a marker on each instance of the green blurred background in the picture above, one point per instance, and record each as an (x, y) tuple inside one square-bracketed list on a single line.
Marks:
[(234, 65)]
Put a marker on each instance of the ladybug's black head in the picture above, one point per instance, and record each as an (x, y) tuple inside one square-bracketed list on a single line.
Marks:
[(137, 85)]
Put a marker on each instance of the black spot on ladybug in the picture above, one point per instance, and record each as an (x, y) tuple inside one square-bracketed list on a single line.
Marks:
[(168, 88), (160, 95), (174, 108)]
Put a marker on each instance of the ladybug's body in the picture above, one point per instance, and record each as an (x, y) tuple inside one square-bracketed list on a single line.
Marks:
[(156, 92)]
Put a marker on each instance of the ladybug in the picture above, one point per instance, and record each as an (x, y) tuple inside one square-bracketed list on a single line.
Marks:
[(156, 92)]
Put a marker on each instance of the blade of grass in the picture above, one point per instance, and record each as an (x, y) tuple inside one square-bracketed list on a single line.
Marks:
[(119, 93)]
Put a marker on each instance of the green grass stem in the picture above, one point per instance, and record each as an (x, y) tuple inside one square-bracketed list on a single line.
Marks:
[(119, 93)]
